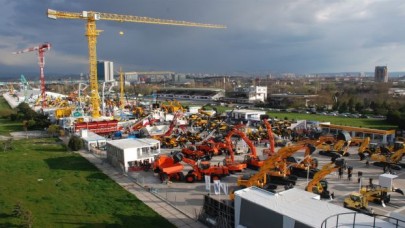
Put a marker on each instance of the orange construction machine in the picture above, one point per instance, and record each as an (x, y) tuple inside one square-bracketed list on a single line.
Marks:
[(251, 160), (204, 168), (169, 167)]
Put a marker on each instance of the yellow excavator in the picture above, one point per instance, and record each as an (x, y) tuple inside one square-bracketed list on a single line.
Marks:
[(339, 148), (388, 159), (260, 179), (364, 149), (320, 186)]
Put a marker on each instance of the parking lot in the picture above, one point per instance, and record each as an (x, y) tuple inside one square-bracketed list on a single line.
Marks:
[(188, 197)]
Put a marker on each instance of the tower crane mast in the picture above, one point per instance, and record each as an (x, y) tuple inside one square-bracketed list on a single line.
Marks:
[(91, 32), (41, 55)]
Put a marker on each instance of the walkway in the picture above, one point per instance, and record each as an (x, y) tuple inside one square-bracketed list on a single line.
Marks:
[(163, 208)]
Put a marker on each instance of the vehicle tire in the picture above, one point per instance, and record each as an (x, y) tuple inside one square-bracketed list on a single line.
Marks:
[(396, 167), (180, 176), (164, 177), (157, 170), (214, 177), (344, 204), (362, 156), (190, 172), (190, 178)]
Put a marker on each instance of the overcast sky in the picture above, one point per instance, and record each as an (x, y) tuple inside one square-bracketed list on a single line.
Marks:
[(300, 36)]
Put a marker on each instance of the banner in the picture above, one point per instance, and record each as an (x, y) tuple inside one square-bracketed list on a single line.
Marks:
[(207, 183), (224, 187), (217, 189)]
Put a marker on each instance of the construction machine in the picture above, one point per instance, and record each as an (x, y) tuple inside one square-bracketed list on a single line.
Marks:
[(92, 33), (358, 201), (307, 167), (193, 153), (169, 142), (389, 159), (251, 160), (260, 179), (270, 135), (339, 148), (169, 167), (204, 168), (364, 148), (318, 185)]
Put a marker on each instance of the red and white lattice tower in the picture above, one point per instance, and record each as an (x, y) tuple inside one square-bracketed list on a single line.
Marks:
[(41, 52)]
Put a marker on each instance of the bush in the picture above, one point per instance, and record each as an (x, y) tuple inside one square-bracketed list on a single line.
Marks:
[(75, 143)]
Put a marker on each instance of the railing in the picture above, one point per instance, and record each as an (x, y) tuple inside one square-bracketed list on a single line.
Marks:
[(397, 222)]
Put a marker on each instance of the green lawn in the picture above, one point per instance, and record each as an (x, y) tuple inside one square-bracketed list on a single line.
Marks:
[(354, 122), (7, 126), (62, 189)]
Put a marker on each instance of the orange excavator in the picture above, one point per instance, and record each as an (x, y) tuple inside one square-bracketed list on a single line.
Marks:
[(204, 168), (271, 150), (251, 160)]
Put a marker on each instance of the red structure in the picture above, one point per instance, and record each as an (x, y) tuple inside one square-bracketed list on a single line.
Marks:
[(99, 127), (41, 52)]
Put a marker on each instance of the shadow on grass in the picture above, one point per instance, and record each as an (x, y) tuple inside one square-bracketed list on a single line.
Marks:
[(70, 163), (97, 176), (153, 220)]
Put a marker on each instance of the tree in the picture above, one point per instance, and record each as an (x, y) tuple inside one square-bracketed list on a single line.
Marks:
[(53, 130), (75, 143)]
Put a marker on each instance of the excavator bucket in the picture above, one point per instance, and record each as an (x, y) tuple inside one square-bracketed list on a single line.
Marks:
[(398, 190), (344, 135), (311, 148)]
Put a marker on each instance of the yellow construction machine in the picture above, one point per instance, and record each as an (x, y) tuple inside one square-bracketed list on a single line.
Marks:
[(320, 186), (358, 201)]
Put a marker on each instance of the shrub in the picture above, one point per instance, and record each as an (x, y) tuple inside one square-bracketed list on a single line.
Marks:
[(75, 143)]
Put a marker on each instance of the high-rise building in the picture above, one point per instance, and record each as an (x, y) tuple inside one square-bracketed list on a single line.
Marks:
[(381, 74), (105, 71)]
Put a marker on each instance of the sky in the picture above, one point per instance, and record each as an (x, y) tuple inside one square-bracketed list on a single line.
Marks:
[(262, 36)]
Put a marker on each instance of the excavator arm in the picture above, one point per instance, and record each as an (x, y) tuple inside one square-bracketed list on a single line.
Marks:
[(259, 178), (321, 174)]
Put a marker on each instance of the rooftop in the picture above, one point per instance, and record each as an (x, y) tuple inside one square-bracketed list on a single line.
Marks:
[(133, 143), (305, 207)]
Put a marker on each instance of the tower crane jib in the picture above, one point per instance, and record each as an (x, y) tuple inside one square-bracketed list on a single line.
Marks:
[(92, 33)]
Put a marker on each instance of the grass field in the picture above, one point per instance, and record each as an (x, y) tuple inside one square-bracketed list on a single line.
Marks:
[(7, 126), (354, 122), (62, 189)]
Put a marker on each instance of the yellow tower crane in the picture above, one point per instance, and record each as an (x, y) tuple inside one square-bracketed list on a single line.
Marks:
[(92, 33)]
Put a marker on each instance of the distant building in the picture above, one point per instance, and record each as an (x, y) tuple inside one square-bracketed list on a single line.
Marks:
[(250, 94), (381, 74), (105, 71)]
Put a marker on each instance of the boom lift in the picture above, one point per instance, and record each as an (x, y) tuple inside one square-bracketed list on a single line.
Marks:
[(91, 32), (318, 185)]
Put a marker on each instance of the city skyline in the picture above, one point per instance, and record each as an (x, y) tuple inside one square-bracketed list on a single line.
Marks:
[(262, 36)]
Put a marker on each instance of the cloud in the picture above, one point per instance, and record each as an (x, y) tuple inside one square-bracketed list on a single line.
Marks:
[(301, 36)]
